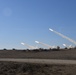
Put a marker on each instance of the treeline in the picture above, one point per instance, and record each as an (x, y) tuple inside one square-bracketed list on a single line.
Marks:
[(42, 49)]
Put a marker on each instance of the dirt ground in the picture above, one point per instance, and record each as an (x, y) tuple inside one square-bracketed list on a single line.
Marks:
[(62, 54), (14, 68)]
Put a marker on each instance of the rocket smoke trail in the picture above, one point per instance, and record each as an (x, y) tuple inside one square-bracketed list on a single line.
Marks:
[(43, 44), (63, 36), (31, 47)]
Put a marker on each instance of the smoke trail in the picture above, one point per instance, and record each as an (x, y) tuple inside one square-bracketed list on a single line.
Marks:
[(63, 36), (31, 47), (43, 44), (68, 46)]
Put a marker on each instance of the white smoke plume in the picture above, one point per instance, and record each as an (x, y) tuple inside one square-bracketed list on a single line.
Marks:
[(29, 46), (63, 36), (43, 44)]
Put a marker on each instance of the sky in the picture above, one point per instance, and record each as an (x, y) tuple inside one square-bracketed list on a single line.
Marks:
[(29, 20)]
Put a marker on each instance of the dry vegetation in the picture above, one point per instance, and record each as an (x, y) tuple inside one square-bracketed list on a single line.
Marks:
[(41, 54), (14, 68)]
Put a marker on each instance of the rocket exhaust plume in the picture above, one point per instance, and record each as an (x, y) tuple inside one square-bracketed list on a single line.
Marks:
[(64, 45), (68, 46), (37, 41), (63, 36), (29, 46), (43, 44)]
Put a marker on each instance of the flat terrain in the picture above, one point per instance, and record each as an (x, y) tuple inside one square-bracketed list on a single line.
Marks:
[(63, 62), (62, 54), (41, 61), (14, 68)]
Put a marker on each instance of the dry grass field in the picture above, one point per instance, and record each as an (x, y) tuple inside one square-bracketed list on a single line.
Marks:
[(50, 54), (14, 68)]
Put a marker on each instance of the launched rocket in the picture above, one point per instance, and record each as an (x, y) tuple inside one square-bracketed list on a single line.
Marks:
[(43, 44), (29, 46), (63, 36)]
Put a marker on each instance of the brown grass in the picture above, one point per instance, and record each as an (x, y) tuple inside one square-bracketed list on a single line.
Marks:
[(62, 54), (14, 68)]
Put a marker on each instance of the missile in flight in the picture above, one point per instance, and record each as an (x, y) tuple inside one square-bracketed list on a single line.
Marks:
[(29, 46), (43, 44), (63, 36), (68, 46), (50, 29)]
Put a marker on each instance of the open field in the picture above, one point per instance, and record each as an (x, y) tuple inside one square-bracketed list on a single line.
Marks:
[(40, 61), (14, 68), (62, 54), (22, 68)]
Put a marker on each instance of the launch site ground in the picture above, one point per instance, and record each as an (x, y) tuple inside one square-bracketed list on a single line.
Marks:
[(69, 54), (14, 68), (8, 67)]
